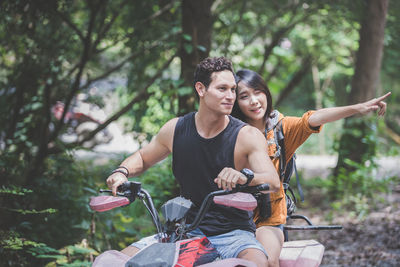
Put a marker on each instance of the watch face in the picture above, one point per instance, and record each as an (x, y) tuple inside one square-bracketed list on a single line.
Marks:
[(248, 173)]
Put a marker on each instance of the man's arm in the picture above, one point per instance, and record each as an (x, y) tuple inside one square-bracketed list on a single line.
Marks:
[(158, 149), (257, 158), (326, 115), (250, 152)]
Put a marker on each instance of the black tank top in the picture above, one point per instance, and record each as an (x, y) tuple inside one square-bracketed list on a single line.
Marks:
[(196, 163)]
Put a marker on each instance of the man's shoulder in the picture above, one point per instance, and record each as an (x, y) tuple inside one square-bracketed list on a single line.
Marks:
[(249, 135), (249, 130), (169, 125), (166, 133), (168, 129)]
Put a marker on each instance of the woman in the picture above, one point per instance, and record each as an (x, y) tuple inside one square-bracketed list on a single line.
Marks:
[(254, 106)]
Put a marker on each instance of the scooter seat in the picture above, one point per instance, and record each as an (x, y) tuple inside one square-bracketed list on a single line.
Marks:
[(111, 258), (301, 253)]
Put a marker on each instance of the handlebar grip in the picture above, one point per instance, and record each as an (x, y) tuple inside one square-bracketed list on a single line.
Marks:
[(262, 187), (254, 189), (109, 191)]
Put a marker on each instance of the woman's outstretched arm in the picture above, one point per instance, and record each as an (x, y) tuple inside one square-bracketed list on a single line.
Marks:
[(326, 115)]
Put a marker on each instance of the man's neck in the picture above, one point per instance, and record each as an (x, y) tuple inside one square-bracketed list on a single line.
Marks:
[(209, 125)]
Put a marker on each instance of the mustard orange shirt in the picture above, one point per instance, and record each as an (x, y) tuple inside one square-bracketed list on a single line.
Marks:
[(296, 131)]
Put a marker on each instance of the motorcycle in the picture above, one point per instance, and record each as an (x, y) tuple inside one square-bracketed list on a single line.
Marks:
[(173, 246), (81, 119)]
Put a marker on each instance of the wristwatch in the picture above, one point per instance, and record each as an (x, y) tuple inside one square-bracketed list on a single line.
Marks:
[(249, 174)]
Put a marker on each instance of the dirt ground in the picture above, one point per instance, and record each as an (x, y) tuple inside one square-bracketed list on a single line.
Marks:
[(372, 241)]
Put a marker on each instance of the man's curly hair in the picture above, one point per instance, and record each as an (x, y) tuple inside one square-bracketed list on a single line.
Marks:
[(206, 67)]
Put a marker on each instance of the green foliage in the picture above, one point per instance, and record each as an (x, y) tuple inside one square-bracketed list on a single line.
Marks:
[(23, 212), (35, 221), (358, 190), (160, 182), (14, 191), (356, 193), (361, 181), (11, 241), (358, 142), (70, 256), (15, 250), (148, 117), (354, 182)]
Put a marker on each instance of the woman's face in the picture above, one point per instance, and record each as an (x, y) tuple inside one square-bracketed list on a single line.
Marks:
[(252, 102)]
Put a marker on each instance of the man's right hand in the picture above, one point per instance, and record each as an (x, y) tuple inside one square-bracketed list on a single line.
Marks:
[(115, 180), (228, 178)]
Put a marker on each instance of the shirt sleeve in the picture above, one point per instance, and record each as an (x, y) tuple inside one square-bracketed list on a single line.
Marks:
[(296, 131)]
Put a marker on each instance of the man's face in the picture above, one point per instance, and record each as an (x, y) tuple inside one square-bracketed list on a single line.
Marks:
[(221, 93)]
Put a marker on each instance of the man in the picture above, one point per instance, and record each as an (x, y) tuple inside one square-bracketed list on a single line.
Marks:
[(211, 150)]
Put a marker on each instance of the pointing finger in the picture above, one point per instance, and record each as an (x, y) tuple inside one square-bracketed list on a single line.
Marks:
[(379, 99)]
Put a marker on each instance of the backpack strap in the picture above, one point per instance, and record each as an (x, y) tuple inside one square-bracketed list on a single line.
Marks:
[(264, 200), (285, 172), (298, 179), (285, 177), (280, 149)]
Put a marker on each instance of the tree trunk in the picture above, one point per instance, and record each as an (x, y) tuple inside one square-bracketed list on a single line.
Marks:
[(354, 143), (197, 24), (369, 55), (318, 103)]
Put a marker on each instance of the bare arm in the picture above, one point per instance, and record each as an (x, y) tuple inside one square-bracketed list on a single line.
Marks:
[(259, 161), (250, 152), (326, 115), (158, 149)]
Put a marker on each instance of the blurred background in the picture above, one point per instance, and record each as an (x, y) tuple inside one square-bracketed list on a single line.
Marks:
[(83, 84)]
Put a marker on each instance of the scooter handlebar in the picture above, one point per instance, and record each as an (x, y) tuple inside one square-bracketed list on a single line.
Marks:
[(254, 189), (209, 198)]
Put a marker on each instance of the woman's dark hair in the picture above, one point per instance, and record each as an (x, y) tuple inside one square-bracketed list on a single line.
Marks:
[(253, 80)]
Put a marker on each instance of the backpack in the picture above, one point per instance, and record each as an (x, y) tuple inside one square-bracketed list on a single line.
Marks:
[(264, 203)]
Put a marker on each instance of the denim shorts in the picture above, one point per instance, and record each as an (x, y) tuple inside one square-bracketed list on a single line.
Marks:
[(228, 245)]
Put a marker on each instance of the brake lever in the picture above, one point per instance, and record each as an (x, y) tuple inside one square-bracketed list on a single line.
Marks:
[(110, 191), (129, 189)]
